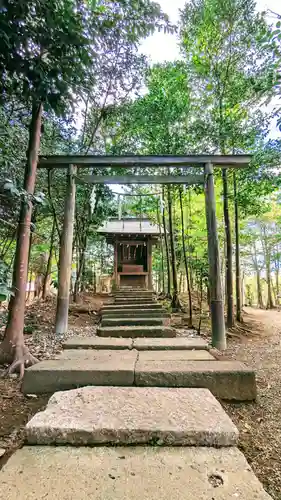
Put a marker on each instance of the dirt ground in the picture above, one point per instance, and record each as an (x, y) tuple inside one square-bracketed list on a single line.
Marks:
[(257, 343), (260, 423)]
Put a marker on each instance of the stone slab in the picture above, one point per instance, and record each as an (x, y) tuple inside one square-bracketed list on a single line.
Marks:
[(123, 313), (170, 343), (135, 331), (109, 307), (167, 355), (230, 380), (97, 356), (129, 321), (97, 343), (133, 293), (126, 473), (132, 415), (110, 368), (136, 300)]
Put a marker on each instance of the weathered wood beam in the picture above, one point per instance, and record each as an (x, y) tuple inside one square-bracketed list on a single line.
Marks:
[(141, 179), (82, 161)]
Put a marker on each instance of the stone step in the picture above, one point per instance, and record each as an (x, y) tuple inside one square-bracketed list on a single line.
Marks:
[(185, 343), (99, 355), (132, 415), (149, 312), (135, 296), (182, 355), (123, 300), (230, 380), (122, 307), (135, 331), (130, 321), (126, 473), (81, 368), (134, 293), (177, 343), (97, 343)]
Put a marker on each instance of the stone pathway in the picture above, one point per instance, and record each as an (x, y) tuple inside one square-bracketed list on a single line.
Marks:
[(151, 399)]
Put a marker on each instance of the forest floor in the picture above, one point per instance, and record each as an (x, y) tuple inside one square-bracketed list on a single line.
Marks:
[(257, 343)]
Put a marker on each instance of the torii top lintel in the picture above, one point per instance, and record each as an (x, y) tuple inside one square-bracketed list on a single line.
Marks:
[(84, 161)]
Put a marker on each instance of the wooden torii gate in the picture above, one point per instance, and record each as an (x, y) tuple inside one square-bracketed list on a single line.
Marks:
[(73, 162)]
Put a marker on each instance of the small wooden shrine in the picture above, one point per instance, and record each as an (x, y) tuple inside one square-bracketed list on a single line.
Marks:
[(132, 239)]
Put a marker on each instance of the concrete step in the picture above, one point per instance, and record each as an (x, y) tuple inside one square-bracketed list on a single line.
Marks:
[(230, 380), (133, 293), (78, 368), (181, 355), (177, 343), (122, 307), (185, 343), (130, 321), (132, 415), (135, 331), (97, 343), (126, 473), (79, 355), (134, 300), (141, 313)]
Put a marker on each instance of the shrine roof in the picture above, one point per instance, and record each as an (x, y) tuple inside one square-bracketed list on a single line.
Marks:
[(129, 226)]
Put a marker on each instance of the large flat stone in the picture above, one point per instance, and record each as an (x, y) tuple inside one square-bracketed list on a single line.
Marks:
[(167, 355), (230, 380), (135, 331), (97, 343), (132, 415), (126, 473), (170, 343), (106, 368)]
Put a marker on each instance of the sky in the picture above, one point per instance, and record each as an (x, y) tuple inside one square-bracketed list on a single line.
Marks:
[(162, 47)]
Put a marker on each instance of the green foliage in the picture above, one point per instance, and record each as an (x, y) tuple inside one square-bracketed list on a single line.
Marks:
[(45, 49), (5, 279)]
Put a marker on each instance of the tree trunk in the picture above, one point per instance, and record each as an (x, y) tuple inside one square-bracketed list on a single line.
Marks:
[(49, 263), (267, 257), (258, 277), (162, 273), (259, 290), (270, 304), (228, 259), (175, 297), (200, 302), (13, 347), (277, 281), (79, 272), (237, 253), (167, 250), (190, 319)]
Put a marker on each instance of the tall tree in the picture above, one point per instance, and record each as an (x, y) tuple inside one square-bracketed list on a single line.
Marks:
[(222, 43), (43, 57)]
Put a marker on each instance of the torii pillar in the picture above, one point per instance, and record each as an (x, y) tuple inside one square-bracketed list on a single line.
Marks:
[(65, 256), (216, 295)]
